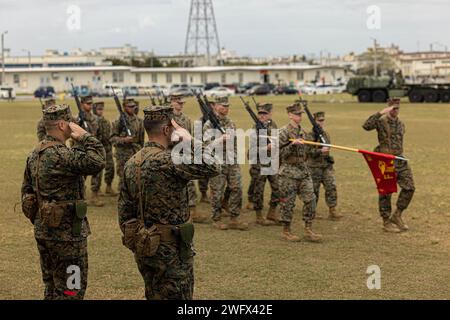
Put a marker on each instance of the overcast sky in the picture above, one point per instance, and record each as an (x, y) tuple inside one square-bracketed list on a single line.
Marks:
[(249, 27)]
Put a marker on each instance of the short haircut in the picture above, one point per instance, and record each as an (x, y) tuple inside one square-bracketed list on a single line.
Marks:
[(51, 124), (153, 127)]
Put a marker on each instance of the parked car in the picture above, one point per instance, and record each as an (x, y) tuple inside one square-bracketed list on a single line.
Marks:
[(110, 88), (80, 90), (144, 90), (44, 92), (322, 89), (259, 90), (99, 92), (185, 91), (219, 92), (197, 87), (211, 85), (130, 91), (285, 90), (157, 90), (7, 93), (243, 88)]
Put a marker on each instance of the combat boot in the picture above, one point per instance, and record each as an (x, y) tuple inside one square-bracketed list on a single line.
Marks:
[(250, 206), (220, 225), (109, 191), (310, 235), (94, 201), (225, 208), (334, 215), (388, 226), (398, 221), (197, 217), (204, 198), (287, 235), (235, 224), (261, 221), (272, 216)]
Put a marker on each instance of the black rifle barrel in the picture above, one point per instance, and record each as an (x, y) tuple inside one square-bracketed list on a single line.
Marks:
[(122, 119), (81, 114)]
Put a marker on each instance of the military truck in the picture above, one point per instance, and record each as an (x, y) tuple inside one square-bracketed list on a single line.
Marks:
[(379, 89)]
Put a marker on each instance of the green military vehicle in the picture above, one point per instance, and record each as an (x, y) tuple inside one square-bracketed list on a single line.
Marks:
[(379, 89)]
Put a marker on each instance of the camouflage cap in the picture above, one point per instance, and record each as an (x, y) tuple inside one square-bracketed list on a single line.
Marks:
[(222, 100), (295, 109), (264, 107), (129, 103), (99, 105), (87, 99), (158, 113), (176, 95), (57, 112), (48, 102), (319, 115), (394, 102)]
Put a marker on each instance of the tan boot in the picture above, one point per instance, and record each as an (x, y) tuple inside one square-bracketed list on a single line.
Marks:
[(311, 236), (261, 221), (388, 226), (220, 225), (94, 201), (109, 191), (204, 198), (334, 215), (287, 235), (197, 217), (396, 219), (235, 224), (273, 216), (250, 206)]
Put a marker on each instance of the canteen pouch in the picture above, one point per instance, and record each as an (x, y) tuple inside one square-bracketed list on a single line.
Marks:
[(130, 229), (30, 206), (51, 214), (80, 214), (186, 234), (147, 241)]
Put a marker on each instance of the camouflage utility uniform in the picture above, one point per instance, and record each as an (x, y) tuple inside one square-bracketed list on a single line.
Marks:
[(54, 174)]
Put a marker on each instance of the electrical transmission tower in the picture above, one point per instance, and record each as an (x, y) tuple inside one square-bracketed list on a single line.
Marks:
[(202, 36)]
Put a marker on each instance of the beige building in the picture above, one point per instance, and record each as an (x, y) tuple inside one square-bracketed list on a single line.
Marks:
[(417, 65), (26, 80)]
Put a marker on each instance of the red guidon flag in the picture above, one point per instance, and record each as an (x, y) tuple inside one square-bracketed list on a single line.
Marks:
[(383, 171)]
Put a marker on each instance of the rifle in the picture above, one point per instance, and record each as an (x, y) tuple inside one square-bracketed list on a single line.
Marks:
[(152, 99), (166, 101), (122, 119), (81, 114), (208, 113), (160, 93), (319, 134), (258, 123)]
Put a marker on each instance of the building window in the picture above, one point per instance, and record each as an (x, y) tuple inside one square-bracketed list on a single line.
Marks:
[(16, 79), (183, 78), (117, 76), (223, 78), (204, 78), (300, 76), (191, 79), (241, 77), (154, 77), (138, 77), (168, 78), (317, 78)]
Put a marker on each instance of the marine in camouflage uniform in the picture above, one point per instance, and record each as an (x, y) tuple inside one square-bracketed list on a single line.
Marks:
[(126, 147), (295, 177), (320, 164), (203, 183), (92, 123), (265, 116), (41, 133), (104, 132), (177, 103), (54, 177), (152, 176), (391, 131), (230, 176)]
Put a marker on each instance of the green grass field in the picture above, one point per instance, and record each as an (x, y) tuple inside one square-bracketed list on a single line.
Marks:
[(258, 264)]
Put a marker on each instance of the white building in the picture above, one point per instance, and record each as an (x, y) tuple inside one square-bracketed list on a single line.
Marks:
[(417, 65), (26, 80)]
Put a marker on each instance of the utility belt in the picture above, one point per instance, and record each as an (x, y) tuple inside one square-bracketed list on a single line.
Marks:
[(294, 161), (145, 241), (51, 213), (387, 150)]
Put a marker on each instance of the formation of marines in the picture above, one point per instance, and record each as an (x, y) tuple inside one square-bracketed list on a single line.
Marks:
[(157, 195)]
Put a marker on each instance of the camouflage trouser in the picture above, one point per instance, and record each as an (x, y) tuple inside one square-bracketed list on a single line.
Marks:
[(406, 182), (55, 258), (258, 194), (254, 173), (192, 194), (166, 275), (109, 167), (289, 189), (326, 177), (203, 185), (229, 178)]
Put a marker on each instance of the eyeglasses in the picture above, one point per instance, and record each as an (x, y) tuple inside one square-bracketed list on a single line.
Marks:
[(320, 120)]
